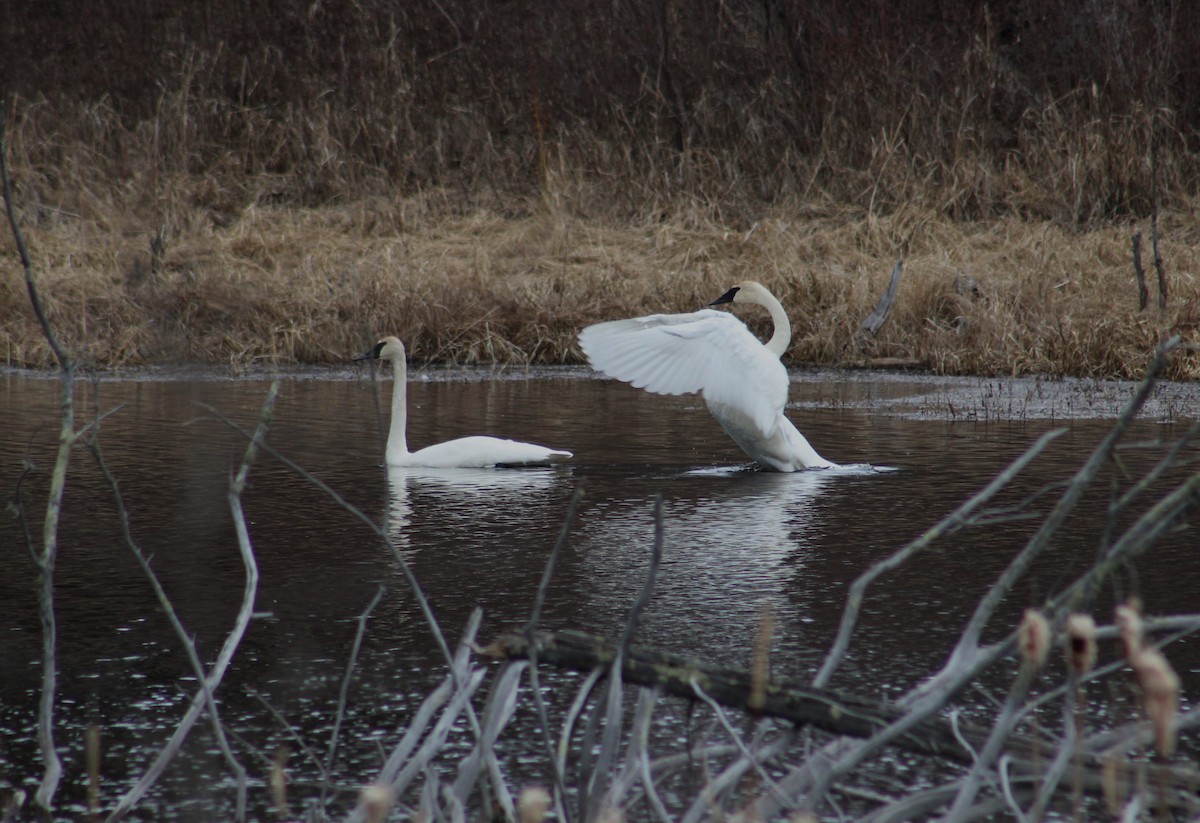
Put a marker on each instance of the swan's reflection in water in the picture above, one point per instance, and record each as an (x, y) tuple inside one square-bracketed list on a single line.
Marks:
[(735, 544), (474, 500)]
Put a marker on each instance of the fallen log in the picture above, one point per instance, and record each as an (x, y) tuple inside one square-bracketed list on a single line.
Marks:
[(827, 709)]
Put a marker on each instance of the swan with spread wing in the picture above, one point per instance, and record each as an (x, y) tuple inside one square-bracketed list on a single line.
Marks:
[(742, 380)]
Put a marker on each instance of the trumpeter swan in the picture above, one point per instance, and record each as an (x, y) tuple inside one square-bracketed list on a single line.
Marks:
[(477, 451), (742, 380)]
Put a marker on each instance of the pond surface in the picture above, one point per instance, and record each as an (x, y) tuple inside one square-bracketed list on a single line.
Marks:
[(738, 544)]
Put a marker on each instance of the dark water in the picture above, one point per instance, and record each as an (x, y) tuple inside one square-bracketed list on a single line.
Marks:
[(737, 545)]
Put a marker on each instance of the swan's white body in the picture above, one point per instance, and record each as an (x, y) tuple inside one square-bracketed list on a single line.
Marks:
[(477, 451), (742, 380)]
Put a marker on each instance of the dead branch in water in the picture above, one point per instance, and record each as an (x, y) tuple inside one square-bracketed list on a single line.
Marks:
[(211, 680), (48, 554)]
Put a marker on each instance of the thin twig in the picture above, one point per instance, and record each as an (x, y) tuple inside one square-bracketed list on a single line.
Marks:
[(414, 586), (754, 761), (609, 712), (1169, 461), (501, 704), (340, 715), (403, 764), (1139, 272), (731, 775), (1158, 262), (1068, 748), (638, 766), (293, 733), (534, 677), (639, 606), (573, 712), (17, 506), (1002, 728), (436, 740), (65, 363), (879, 314), (612, 711)]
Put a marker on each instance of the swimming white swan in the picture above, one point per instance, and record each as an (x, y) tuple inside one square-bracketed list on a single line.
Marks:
[(464, 453), (744, 384)]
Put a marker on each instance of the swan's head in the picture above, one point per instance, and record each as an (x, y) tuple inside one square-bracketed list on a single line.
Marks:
[(748, 291), (387, 348)]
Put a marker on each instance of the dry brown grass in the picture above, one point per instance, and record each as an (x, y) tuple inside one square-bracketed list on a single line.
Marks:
[(265, 284)]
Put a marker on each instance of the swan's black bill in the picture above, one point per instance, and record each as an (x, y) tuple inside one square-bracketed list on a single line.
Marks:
[(371, 354), (727, 297)]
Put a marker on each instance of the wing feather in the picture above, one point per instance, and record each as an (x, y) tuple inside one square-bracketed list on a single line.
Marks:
[(710, 352)]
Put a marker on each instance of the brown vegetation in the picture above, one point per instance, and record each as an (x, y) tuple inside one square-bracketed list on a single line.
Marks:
[(285, 182)]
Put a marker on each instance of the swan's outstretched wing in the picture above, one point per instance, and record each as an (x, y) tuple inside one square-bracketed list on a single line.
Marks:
[(705, 351)]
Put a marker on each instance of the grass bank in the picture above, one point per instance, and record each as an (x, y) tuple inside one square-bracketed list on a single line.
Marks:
[(287, 284)]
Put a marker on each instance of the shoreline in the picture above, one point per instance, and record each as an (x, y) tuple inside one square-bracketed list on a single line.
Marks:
[(906, 395)]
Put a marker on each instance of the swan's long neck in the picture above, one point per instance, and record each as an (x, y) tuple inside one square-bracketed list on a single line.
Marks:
[(397, 444), (782, 337)]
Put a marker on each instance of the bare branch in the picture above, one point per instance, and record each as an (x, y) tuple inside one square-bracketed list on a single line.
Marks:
[(969, 640), (414, 586), (46, 561), (947, 525), (209, 684), (65, 362)]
